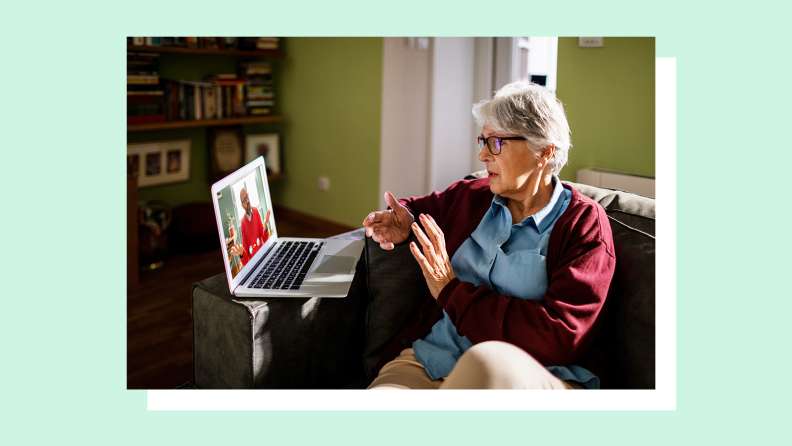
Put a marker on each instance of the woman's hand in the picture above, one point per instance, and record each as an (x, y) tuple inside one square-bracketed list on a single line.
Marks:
[(434, 261), (390, 226)]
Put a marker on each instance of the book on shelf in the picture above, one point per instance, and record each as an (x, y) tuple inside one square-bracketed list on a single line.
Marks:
[(267, 43), (151, 98), (146, 109), (138, 41), (258, 43), (146, 98), (259, 111), (221, 76), (135, 120), (260, 95), (142, 80), (197, 103), (153, 41), (145, 93), (172, 99), (209, 103), (260, 92), (265, 103), (142, 64)]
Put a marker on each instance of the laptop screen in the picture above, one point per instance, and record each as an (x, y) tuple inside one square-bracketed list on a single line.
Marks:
[(246, 218)]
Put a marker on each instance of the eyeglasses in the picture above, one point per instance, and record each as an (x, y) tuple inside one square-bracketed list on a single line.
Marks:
[(494, 143), (246, 199)]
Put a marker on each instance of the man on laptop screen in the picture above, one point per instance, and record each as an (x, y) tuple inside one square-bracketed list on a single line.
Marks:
[(252, 229), (244, 229)]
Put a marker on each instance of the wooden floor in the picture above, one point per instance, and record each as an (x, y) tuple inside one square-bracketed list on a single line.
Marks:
[(159, 324)]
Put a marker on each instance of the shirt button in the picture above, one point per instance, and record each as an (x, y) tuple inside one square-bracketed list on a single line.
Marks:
[(405, 340)]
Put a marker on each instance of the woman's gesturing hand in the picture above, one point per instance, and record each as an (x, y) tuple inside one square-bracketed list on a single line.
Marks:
[(434, 261), (390, 226)]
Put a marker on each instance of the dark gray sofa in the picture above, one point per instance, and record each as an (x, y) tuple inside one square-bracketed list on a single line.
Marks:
[(334, 343)]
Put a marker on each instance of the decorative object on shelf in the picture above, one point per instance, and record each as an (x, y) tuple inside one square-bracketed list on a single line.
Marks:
[(225, 149), (159, 162), (154, 217), (265, 145)]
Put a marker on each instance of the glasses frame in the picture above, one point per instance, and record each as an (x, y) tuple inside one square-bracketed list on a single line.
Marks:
[(498, 143)]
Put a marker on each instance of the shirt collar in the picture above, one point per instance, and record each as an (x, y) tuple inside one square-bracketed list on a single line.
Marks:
[(540, 218)]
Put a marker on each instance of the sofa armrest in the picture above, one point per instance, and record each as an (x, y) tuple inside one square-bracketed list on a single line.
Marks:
[(294, 343)]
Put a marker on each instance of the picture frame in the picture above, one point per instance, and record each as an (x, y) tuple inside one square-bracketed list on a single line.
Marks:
[(266, 145), (226, 150), (159, 162)]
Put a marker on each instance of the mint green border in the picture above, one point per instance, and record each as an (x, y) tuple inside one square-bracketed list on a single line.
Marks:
[(63, 351)]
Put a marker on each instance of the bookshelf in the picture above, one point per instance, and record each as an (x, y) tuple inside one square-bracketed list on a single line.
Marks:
[(198, 54), (204, 123), (204, 51)]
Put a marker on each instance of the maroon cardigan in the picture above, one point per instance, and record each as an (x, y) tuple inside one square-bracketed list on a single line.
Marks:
[(557, 329)]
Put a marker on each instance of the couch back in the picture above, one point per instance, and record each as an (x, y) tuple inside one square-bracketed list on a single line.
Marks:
[(625, 346), (626, 341)]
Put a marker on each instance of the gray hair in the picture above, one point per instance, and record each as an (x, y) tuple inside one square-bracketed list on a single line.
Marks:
[(531, 111)]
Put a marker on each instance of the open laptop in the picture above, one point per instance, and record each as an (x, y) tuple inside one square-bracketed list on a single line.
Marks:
[(257, 262)]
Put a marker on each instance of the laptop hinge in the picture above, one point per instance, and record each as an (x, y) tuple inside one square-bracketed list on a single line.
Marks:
[(255, 268)]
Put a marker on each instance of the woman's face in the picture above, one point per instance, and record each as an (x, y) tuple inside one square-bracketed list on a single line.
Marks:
[(510, 171)]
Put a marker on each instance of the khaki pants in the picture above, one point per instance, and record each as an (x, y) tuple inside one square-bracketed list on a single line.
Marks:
[(489, 365)]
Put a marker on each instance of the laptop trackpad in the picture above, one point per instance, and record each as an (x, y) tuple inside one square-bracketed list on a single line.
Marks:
[(336, 265)]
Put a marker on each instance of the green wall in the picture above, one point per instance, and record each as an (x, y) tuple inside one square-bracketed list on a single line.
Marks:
[(609, 97), (331, 90)]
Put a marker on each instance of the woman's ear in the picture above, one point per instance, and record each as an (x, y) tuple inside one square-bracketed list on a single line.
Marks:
[(547, 154)]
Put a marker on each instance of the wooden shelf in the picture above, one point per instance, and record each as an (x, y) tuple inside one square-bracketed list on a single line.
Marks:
[(204, 51), (275, 176), (204, 123)]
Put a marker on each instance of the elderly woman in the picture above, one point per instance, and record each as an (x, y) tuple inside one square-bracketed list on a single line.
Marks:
[(518, 263)]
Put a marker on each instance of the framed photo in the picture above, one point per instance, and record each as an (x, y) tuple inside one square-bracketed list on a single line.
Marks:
[(159, 162), (226, 150), (264, 145)]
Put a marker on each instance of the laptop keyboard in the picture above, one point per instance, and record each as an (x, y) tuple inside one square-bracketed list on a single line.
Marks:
[(287, 268)]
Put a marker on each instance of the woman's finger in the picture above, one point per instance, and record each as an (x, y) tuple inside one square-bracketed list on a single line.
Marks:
[(439, 234), (434, 233), (428, 249), (422, 262)]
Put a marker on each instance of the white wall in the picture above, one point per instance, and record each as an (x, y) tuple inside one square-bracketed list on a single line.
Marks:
[(405, 119), (451, 121), (428, 132), (483, 88)]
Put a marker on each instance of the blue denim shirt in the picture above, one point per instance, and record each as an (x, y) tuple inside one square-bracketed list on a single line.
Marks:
[(510, 260)]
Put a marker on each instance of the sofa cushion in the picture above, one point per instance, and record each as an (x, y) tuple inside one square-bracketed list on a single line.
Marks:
[(626, 340), (397, 290), (635, 211), (627, 337)]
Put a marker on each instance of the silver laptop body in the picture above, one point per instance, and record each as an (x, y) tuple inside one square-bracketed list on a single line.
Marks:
[(333, 263)]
